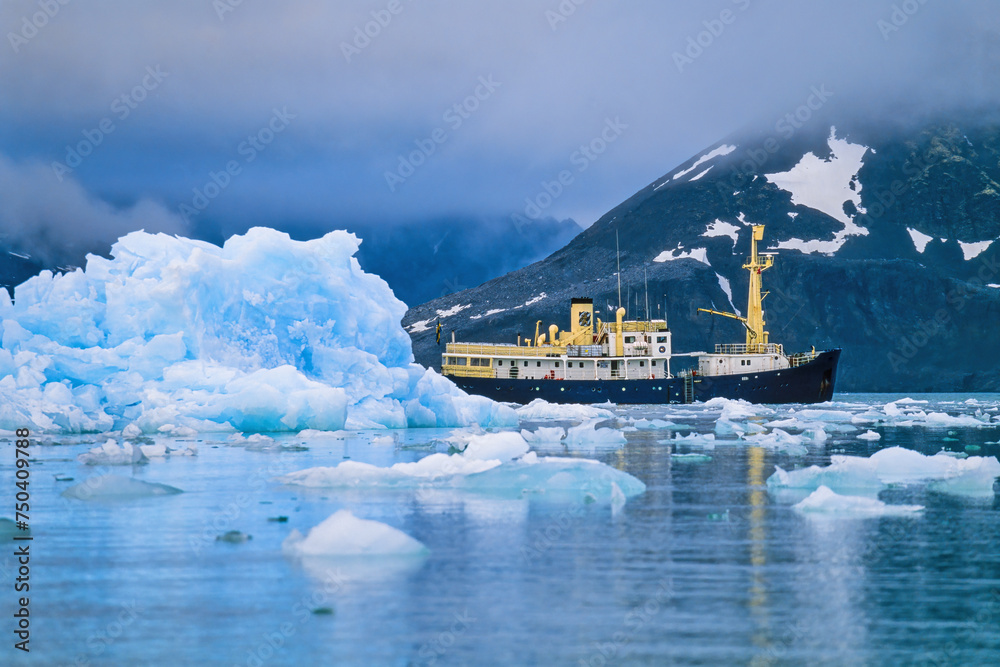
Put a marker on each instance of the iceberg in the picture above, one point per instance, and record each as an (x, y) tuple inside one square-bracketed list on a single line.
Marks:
[(515, 477), (343, 534), (262, 334), (588, 435), (541, 410), (113, 487), (973, 476), (110, 454), (824, 501), (544, 434)]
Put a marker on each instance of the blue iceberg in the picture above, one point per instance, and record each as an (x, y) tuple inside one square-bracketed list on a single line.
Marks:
[(263, 334)]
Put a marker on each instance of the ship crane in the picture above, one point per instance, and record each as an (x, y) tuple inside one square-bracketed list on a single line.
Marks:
[(756, 264)]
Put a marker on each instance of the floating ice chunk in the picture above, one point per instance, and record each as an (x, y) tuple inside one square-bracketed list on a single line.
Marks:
[(975, 482), (617, 498), (870, 435), (944, 420), (825, 501), (544, 434), (897, 465), (555, 478), (131, 431), (694, 437), (847, 474), (778, 440), (496, 447), (315, 434), (113, 487), (726, 427), (827, 415), (541, 410), (343, 534), (737, 409), (434, 468), (892, 409), (110, 454), (155, 451), (652, 424), (587, 434)]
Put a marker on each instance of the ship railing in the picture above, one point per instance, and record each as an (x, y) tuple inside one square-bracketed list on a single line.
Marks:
[(468, 371), (634, 326), (753, 348), (802, 358), (494, 350)]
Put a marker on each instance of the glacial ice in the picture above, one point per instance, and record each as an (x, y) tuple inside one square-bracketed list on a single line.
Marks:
[(541, 410), (343, 534), (588, 435), (262, 334), (870, 435), (114, 487), (110, 454), (504, 446), (972, 476), (580, 479), (825, 501), (544, 434)]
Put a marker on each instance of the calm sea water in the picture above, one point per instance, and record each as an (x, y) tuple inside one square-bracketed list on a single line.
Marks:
[(706, 567)]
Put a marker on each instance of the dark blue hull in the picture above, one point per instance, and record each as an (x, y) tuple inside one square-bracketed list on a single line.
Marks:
[(809, 383)]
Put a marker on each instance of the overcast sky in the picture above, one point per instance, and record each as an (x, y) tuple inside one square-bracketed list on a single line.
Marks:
[(162, 95)]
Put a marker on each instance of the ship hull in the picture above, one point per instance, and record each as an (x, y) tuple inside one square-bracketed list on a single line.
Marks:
[(809, 383)]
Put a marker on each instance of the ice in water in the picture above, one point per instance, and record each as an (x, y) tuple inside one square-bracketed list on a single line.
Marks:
[(343, 534)]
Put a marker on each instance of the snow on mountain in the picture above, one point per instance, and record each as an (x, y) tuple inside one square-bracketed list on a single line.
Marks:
[(920, 241), (721, 151), (262, 334), (973, 250), (826, 185), (720, 228), (698, 254)]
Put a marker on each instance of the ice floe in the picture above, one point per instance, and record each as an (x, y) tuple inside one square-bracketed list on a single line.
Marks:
[(541, 410), (343, 534), (114, 487), (895, 465), (825, 501), (262, 334), (110, 454), (587, 434)]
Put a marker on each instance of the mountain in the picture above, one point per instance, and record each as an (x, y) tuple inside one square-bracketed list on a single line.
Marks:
[(886, 241)]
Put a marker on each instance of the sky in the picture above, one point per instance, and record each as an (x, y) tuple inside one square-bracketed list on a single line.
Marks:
[(186, 115)]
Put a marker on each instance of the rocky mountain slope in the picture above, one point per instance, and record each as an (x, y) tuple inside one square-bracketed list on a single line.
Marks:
[(887, 244)]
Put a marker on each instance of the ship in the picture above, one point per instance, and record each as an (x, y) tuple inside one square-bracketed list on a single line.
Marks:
[(629, 361)]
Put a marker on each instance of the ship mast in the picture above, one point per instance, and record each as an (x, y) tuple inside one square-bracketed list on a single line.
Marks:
[(756, 264)]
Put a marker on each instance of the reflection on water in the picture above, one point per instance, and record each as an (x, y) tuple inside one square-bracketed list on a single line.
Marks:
[(705, 567)]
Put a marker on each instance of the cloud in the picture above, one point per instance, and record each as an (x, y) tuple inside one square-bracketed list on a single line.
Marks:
[(58, 222), (565, 69)]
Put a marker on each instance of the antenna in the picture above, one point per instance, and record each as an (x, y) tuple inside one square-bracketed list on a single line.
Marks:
[(645, 280), (618, 255)]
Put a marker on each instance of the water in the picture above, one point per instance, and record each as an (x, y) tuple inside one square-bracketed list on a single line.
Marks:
[(706, 567)]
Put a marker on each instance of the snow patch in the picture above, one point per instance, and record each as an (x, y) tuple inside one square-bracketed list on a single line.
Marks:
[(700, 174), (725, 149), (973, 250), (698, 254), (920, 241), (720, 228), (727, 288)]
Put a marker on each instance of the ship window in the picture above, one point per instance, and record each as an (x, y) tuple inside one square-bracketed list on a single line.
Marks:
[(661, 339), (653, 362), (557, 364), (538, 364), (526, 364), (500, 363), (641, 364), (629, 339)]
